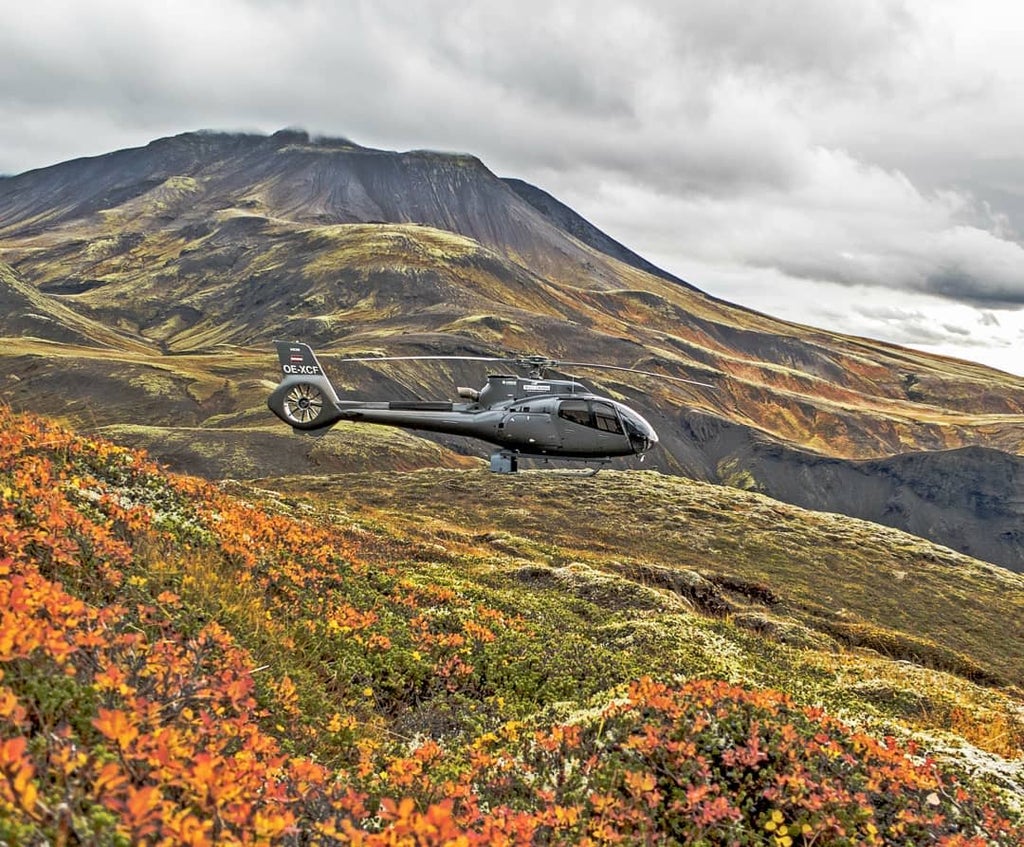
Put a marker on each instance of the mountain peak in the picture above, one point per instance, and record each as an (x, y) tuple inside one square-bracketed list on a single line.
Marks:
[(289, 175)]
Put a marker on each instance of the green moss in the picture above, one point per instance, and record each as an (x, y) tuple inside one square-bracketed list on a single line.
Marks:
[(731, 473)]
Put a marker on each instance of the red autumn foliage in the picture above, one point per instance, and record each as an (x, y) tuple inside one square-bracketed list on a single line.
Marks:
[(123, 717)]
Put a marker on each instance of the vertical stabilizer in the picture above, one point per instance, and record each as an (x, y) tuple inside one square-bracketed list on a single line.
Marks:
[(305, 397)]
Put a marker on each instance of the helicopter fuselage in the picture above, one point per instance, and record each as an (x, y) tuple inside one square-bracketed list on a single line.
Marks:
[(521, 415), (554, 424)]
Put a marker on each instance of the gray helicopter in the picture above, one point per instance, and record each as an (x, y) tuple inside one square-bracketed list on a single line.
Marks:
[(523, 416)]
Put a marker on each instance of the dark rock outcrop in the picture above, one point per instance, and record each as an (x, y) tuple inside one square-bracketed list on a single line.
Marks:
[(969, 499)]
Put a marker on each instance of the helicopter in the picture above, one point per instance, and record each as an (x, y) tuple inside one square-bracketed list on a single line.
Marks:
[(528, 416)]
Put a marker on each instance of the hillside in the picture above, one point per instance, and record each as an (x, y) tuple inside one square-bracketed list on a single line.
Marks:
[(823, 575), (183, 663), (144, 288)]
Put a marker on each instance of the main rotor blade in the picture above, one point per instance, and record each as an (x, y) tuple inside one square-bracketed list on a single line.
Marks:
[(632, 370), (525, 361), (418, 358)]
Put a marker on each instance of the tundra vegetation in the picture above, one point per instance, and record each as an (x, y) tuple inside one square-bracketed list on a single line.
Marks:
[(182, 663)]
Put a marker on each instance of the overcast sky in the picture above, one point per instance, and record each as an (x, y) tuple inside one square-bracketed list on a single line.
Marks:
[(851, 164)]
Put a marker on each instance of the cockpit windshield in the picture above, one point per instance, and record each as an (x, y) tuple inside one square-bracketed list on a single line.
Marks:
[(641, 434)]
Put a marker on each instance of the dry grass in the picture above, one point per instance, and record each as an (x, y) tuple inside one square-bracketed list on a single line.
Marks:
[(858, 583)]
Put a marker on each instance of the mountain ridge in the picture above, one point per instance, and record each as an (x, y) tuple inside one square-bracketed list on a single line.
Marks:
[(198, 249), (579, 227)]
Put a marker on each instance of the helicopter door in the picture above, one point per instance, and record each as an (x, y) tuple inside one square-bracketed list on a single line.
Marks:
[(606, 419), (528, 429), (592, 426)]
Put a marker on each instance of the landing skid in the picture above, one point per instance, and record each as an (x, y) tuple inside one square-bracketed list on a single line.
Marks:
[(506, 462), (598, 464)]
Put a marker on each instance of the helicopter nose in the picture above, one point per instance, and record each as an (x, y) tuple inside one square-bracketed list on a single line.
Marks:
[(642, 436), (647, 441)]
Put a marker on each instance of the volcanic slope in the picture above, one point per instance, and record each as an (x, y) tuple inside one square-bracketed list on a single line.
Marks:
[(157, 277)]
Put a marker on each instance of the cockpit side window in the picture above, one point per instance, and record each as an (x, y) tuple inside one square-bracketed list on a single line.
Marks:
[(594, 414), (576, 411), (605, 418)]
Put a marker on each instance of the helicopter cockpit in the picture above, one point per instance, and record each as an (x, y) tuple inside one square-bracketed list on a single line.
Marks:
[(610, 416), (641, 434)]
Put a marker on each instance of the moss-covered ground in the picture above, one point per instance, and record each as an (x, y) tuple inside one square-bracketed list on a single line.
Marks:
[(452, 657)]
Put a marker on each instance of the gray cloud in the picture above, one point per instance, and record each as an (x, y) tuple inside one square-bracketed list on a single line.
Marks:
[(873, 145), (904, 326), (830, 41)]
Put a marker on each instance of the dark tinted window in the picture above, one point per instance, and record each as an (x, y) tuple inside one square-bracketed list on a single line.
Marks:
[(605, 418), (575, 411), (595, 414)]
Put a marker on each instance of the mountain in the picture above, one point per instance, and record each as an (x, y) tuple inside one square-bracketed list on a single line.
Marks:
[(145, 286), (580, 228), (969, 498)]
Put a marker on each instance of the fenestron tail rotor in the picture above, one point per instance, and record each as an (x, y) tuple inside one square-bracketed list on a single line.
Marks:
[(303, 403)]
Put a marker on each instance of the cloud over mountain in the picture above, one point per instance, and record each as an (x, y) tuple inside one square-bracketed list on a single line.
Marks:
[(873, 144)]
